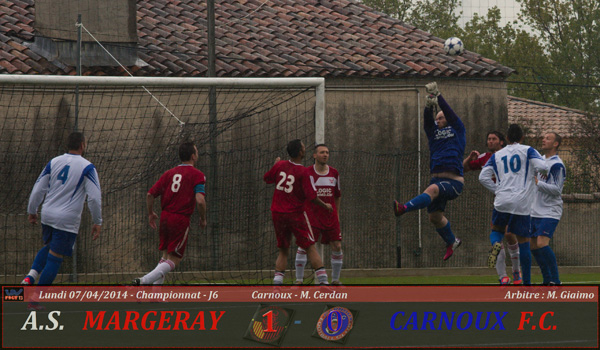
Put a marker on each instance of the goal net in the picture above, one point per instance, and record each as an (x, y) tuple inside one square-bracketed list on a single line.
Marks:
[(133, 127)]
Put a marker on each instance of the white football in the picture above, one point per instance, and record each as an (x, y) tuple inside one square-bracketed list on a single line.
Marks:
[(454, 46)]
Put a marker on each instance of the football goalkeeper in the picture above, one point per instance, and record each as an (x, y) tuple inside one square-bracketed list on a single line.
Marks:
[(447, 139)]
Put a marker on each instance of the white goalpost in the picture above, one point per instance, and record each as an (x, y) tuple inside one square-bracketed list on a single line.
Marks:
[(134, 126)]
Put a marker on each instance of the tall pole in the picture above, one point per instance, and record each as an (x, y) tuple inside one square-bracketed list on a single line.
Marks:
[(213, 183), (78, 71), (76, 127)]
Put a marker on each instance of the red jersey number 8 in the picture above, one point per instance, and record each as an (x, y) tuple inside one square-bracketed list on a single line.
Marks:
[(288, 185), (176, 183)]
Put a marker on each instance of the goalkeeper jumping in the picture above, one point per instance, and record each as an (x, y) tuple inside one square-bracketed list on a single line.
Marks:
[(447, 139)]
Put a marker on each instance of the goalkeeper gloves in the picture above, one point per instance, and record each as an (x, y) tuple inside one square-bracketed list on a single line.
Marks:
[(431, 101), (432, 89)]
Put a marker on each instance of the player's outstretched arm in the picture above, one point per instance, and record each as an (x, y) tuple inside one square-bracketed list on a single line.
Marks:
[(539, 165), (431, 102), (451, 117), (487, 174), (38, 192), (428, 120), (271, 175), (201, 204), (472, 156), (96, 231), (94, 195), (32, 218), (554, 182), (152, 217)]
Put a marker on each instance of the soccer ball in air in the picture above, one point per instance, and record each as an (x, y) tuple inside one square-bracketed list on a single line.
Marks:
[(454, 46)]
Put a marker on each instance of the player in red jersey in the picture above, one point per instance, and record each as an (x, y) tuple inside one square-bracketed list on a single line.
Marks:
[(181, 190), (475, 161), (325, 225), (292, 190)]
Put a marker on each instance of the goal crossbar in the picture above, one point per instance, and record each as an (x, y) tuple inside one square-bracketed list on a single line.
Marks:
[(317, 83)]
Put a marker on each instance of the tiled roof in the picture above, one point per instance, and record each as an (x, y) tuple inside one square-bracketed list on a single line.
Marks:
[(542, 117), (260, 38)]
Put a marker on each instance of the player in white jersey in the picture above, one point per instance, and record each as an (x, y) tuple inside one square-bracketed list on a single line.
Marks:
[(514, 167), (547, 209), (65, 182), (495, 142)]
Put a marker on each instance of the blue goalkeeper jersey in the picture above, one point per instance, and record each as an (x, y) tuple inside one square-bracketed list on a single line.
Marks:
[(446, 145)]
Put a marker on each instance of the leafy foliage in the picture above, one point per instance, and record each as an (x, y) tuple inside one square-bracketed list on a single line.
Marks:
[(568, 30)]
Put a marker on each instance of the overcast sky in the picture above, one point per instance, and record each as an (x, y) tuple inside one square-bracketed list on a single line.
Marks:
[(509, 9)]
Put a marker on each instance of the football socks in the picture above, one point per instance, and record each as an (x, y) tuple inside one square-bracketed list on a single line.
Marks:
[(541, 261), (525, 259), (501, 263), (300, 264), (446, 234), (419, 202), (550, 260), (50, 270), (496, 236), (336, 265), (278, 279), (513, 251), (321, 274), (40, 260), (159, 272)]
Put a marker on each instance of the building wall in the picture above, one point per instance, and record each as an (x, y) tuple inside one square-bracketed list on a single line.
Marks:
[(370, 114)]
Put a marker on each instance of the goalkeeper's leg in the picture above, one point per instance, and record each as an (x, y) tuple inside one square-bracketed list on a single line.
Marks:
[(419, 202)]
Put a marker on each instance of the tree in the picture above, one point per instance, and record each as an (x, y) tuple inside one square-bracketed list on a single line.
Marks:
[(569, 30), (438, 17), (512, 47)]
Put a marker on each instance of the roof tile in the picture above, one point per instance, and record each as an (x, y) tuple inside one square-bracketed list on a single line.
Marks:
[(279, 38), (540, 117)]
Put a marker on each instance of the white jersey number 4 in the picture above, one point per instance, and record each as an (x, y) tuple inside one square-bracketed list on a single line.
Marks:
[(289, 185), (64, 174)]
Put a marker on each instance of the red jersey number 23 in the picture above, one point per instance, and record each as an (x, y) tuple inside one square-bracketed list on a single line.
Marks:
[(286, 183)]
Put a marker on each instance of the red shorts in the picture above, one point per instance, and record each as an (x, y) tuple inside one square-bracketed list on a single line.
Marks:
[(287, 224), (173, 229), (327, 235)]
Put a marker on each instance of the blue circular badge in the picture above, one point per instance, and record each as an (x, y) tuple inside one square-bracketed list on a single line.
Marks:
[(335, 323)]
